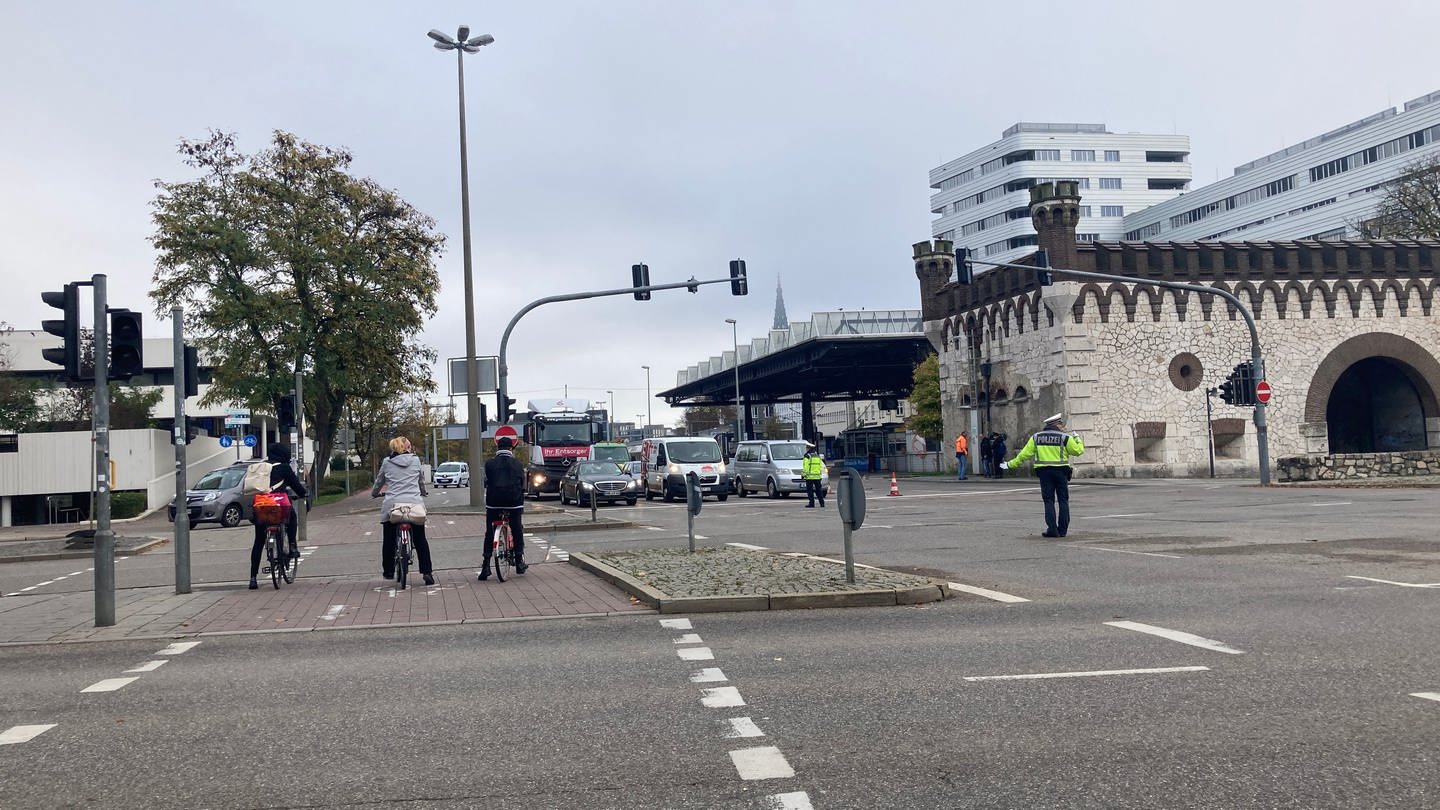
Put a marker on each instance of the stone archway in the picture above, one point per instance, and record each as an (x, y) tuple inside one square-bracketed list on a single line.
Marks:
[(1374, 393)]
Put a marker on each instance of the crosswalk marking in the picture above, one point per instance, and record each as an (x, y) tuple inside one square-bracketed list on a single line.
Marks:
[(20, 734)]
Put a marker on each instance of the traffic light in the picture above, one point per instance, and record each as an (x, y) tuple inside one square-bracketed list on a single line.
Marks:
[(964, 271), (285, 415), (1042, 272), (1244, 375), (68, 355), (484, 418), (640, 274), (1227, 388), (738, 283), (127, 356), (507, 411), (192, 372)]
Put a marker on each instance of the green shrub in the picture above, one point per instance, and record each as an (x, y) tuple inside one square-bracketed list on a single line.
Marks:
[(334, 484), (126, 504)]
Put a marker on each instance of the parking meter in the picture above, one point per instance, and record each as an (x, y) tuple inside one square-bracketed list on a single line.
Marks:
[(692, 504)]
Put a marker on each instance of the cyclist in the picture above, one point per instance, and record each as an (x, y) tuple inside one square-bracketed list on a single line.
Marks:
[(280, 471), (401, 481), (504, 492)]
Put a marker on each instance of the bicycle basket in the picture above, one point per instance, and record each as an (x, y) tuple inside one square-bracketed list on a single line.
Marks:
[(272, 508), (412, 513)]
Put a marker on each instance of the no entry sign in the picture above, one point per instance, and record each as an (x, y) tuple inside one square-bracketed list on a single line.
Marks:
[(1262, 392)]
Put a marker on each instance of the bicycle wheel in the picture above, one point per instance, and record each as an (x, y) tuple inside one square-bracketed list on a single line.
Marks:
[(503, 551), (271, 556), (402, 556)]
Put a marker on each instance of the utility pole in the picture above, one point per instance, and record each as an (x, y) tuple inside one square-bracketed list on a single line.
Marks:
[(104, 537)]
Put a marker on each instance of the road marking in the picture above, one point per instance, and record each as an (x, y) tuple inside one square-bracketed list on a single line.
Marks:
[(676, 624), (109, 684), (1426, 695), (654, 528), (1385, 581), (721, 697), (1176, 635), (799, 800), (701, 537), (747, 547), (78, 573), (1102, 517), (690, 638), (743, 727), (148, 666), (20, 734), (1128, 551), (1094, 673), (332, 614), (708, 675), (179, 647), (987, 593), (1333, 503), (695, 654), (765, 762)]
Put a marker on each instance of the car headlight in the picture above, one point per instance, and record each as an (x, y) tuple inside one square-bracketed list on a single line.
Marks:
[(674, 469), (210, 496), (722, 468), (632, 484), (539, 479), (586, 485)]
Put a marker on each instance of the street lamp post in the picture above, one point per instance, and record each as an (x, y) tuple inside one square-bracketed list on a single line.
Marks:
[(647, 398), (735, 341), (462, 44), (610, 416)]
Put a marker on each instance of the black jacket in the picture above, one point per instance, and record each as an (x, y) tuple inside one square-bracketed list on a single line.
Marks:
[(504, 480)]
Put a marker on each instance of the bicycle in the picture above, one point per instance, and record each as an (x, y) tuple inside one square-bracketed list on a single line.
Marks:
[(282, 565), (503, 552), (403, 549)]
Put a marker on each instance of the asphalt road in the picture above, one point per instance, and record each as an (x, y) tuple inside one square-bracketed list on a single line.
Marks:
[(1191, 644)]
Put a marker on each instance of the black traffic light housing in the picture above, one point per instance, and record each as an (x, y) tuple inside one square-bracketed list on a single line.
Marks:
[(1042, 268), (507, 410), (191, 371), (285, 414), (739, 285), (964, 271), (640, 275), (68, 330), (127, 354), (484, 418), (190, 432), (1227, 390), (1244, 375)]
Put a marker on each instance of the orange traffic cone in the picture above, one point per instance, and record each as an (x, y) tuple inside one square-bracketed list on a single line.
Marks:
[(894, 484)]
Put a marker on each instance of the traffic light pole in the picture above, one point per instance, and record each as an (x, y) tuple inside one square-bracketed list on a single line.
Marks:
[(104, 537), (182, 438), (1261, 429), (500, 395)]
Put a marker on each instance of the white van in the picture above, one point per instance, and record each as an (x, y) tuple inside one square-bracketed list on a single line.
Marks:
[(772, 466), (452, 474), (666, 460)]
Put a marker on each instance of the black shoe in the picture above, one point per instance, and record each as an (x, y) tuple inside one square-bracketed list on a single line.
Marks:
[(254, 585), (388, 574), (809, 506), (484, 573), (520, 566), (294, 553), (1048, 533), (822, 504), (429, 579)]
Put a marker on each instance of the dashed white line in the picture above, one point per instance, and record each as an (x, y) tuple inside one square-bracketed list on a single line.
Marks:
[(148, 666), (1103, 517), (743, 727), (721, 697), (799, 800), (708, 675), (1384, 581), (20, 734), (695, 654), (747, 547), (1128, 551), (690, 638), (764, 762), (1426, 695), (178, 647), (109, 684), (987, 593), (1091, 674), (1176, 635), (676, 624)]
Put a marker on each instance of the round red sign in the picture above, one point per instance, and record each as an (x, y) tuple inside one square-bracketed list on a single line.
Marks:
[(1262, 392), (505, 430)]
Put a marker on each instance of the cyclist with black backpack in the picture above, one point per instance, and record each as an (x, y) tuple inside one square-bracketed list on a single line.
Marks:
[(504, 493)]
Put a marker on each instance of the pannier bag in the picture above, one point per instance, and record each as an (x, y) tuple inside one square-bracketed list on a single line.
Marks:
[(272, 508), (412, 513)]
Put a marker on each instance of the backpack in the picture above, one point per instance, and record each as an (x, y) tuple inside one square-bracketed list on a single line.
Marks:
[(257, 477)]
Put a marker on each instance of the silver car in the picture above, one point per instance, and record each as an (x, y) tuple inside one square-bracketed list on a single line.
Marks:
[(217, 498)]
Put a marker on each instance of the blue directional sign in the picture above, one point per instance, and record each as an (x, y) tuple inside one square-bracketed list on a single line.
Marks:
[(226, 441), (249, 440)]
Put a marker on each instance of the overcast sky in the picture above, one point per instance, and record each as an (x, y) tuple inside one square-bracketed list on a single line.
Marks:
[(795, 135)]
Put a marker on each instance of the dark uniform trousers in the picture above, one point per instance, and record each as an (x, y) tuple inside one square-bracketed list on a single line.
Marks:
[(1055, 486)]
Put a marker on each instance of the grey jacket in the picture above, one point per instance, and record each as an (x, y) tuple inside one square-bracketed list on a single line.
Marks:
[(400, 476)]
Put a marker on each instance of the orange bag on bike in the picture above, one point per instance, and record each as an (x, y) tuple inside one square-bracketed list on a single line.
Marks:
[(272, 508)]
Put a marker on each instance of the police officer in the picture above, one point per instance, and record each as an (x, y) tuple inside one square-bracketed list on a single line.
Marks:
[(1052, 448), (811, 468)]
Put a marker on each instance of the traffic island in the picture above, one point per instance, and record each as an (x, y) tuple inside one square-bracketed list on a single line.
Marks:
[(712, 580)]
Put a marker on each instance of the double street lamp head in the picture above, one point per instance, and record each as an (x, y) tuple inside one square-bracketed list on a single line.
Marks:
[(462, 40)]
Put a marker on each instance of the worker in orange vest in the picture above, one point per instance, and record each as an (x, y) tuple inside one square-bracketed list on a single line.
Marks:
[(962, 454)]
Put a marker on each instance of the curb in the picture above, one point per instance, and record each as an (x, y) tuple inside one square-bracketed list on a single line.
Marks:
[(664, 603), (85, 554)]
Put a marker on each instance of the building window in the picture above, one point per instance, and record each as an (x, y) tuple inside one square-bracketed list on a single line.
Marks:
[(1112, 210), (1110, 183), (1047, 154), (1112, 155), (1084, 210), (1083, 155), (9, 442), (1087, 237)]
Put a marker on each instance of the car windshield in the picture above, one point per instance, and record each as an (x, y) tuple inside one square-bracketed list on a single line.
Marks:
[(610, 452), (693, 452), (563, 434), (787, 452), (599, 468), (450, 467), (221, 479)]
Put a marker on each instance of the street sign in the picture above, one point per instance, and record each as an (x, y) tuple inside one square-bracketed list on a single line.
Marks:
[(237, 417), (505, 430), (226, 441), (1262, 392), (488, 369), (249, 440)]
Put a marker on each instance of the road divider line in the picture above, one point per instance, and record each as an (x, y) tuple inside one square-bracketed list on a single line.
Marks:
[(1126, 551), (676, 624), (743, 727), (1372, 579), (20, 734), (764, 762), (799, 800), (987, 593), (690, 638), (1426, 695), (1035, 676), (708, 675), (695, 654), (179, 647), (1102, 517), (1177, 635), (109, 684), (721, 697), (747, 547), (148, 666)]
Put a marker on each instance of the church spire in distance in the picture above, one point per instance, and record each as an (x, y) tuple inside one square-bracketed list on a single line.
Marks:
[(781, 322)]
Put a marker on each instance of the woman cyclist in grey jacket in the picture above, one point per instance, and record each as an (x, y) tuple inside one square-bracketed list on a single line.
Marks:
[(401, 481)]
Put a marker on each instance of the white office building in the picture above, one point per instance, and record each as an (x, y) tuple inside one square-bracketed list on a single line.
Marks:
[(1319, 189), (983, 198)]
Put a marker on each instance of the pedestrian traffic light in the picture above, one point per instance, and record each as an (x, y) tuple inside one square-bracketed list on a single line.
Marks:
[(1042, 265), (964, 271), (68, 355), (191, 380), (738, 283), (127, 356), (285, 414), (640, 275)]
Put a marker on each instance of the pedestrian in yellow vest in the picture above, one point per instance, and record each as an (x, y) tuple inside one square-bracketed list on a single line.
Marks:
[(811, 468), (1052, 448)]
